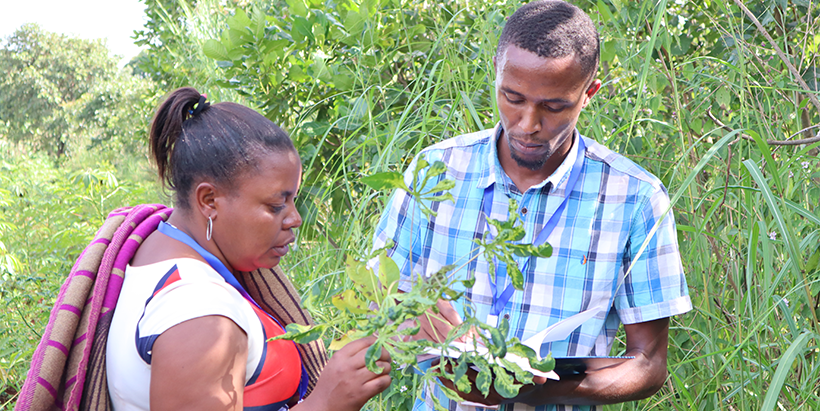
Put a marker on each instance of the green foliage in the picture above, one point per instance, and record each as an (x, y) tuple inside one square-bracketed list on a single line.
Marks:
[(45, 74), (383, 310), (64, 95), (692, 92), (48, 214)]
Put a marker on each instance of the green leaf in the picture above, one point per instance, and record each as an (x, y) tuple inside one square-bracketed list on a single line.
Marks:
[(461, 379), (783, 368), (387, 180), (388, 270), (545, 364), (301, 334), (259, 22), (443, 185), (215, 50), (812, 264), (297, 7)]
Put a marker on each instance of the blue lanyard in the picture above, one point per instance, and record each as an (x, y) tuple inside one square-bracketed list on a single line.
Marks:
[(500, 301), (220, 268)]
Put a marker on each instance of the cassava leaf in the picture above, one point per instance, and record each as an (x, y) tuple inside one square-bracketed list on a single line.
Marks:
[(387, 180)]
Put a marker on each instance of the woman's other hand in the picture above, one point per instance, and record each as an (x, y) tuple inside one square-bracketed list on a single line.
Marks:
[(346, 384)]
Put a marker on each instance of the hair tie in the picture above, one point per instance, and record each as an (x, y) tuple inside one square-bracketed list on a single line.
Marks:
[(200, 105)]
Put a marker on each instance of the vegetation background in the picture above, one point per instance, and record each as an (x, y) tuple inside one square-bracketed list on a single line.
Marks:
[(717, 98)]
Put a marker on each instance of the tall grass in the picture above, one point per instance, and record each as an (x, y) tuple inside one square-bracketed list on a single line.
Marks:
[(747, 212)]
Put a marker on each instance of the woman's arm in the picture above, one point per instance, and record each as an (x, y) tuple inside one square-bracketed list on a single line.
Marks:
[(199, 364)]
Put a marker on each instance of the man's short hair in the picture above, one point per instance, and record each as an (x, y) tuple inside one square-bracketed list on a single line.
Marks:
[(553, 29)]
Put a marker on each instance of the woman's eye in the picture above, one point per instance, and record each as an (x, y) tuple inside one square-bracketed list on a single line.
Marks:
[(276, 208)]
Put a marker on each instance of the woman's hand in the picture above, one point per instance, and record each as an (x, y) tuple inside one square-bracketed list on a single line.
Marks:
[(346, 383)]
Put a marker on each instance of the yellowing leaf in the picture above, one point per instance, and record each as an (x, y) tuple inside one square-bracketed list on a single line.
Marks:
[(348, 301)]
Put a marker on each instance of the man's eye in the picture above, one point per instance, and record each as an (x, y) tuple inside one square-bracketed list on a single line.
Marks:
[(512, 99)]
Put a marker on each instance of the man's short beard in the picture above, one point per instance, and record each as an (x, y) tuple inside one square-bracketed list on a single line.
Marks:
[(533, 165)]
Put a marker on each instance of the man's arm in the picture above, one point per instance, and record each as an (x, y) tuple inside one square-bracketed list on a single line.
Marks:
[(632, 380)]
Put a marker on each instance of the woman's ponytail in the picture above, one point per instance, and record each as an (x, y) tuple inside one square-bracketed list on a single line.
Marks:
[(166, 129)]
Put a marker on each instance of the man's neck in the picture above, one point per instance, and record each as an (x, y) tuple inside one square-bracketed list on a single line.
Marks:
[(524, 177)]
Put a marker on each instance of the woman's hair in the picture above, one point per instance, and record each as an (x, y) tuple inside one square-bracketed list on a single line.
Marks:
[(191, 140)]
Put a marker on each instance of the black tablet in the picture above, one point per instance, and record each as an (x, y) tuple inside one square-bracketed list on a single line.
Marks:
[(565, 366)]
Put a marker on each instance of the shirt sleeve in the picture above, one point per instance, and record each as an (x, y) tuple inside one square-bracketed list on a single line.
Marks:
[(185, 300), (654, 285)]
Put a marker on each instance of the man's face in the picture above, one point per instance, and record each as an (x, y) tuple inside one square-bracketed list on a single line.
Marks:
[(539, 100)]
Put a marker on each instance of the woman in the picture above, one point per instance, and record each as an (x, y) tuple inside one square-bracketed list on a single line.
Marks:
[(185, 335)]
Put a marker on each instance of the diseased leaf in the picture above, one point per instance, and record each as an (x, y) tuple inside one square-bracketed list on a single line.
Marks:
[(499, 346), (504, 383), (484, 377), (372, 355), (348, 301)]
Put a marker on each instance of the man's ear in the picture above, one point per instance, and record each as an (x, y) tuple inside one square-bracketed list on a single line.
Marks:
[(591, 91), (205, 196)]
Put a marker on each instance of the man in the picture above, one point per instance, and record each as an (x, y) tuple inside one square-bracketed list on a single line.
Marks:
[(595, 207)]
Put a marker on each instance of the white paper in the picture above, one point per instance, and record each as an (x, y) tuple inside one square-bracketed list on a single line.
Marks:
[(562, 329)]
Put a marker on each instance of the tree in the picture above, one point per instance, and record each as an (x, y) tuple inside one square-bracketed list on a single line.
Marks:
[(45, 74)]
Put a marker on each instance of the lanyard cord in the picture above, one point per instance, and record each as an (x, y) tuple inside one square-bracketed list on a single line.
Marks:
[(220, 268), (500, 301)]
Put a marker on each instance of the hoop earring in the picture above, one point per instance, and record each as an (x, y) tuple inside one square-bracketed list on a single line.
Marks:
[(209, 231)]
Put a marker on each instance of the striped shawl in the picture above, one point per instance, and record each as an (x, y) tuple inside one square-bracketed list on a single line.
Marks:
[(68, 367)]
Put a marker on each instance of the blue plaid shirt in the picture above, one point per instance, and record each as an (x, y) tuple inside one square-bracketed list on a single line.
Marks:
[(609, 215)]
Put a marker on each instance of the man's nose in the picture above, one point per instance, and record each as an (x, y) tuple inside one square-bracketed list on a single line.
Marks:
[(530, 121)]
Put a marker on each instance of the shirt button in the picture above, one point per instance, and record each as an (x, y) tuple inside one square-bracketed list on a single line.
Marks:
[(524, 210), (506, 316)]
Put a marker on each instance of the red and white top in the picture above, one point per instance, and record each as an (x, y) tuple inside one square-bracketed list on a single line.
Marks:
[(159, 296)]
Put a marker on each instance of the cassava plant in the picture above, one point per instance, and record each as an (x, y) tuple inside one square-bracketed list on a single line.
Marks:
[(375, 306)]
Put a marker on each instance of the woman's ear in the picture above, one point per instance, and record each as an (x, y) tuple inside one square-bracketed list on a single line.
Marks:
[(205, 196)]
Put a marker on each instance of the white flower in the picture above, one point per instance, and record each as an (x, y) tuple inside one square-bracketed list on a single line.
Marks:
[(805, 165), (402, 389), (791, 174), (773, 236)]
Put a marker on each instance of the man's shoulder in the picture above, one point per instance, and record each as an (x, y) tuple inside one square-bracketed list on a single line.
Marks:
[(476, 141), (618, 164)]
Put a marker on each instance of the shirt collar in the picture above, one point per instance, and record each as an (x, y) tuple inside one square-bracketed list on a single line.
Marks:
[(493, 172)]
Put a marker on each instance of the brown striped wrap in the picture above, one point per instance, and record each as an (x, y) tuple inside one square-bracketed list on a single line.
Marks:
[(67, 369)]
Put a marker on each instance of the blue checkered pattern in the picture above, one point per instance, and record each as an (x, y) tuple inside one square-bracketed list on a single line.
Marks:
[(608, 217)]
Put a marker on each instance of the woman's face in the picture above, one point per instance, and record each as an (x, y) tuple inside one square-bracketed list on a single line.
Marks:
[(254, 222)]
